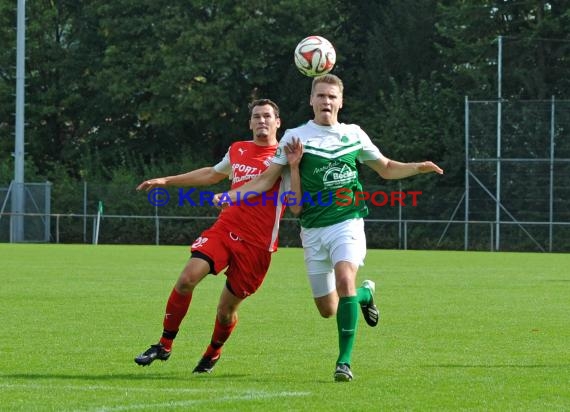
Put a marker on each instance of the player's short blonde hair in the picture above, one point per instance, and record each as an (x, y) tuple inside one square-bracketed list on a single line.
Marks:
[(329, 79)]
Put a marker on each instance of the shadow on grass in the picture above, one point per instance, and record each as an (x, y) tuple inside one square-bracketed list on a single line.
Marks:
[(102, 377)]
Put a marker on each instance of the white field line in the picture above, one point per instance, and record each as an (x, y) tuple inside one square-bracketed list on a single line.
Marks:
[(248, 395)]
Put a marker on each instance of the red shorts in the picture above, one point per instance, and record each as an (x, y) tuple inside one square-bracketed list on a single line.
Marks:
[(246, 265)]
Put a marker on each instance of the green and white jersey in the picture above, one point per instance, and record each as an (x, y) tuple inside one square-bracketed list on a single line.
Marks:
[(329, 177)]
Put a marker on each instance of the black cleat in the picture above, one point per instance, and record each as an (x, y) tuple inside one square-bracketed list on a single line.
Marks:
[(151, 354), (206, 364), (369, 310), (342, 373)]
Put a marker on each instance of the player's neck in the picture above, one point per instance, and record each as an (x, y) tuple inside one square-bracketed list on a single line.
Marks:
[(325, 123), (265, 141)]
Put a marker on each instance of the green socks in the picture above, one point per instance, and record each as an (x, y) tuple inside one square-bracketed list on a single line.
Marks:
[(364, 295), (346, 320)]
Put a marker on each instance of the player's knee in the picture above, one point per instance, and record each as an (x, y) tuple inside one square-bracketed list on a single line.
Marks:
[(187, 282), (327, 315), (327, 312), (327, 304), (194, 271)]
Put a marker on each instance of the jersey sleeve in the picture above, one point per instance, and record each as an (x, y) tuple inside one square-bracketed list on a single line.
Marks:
[(280, 156), (224, 166), (369, 150)]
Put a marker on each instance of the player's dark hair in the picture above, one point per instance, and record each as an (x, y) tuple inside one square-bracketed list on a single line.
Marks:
[(329, 79), (263, 102)]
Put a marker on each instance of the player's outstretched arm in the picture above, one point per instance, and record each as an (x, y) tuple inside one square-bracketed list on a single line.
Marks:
[(391, 169), (199, 177), (261, 183)]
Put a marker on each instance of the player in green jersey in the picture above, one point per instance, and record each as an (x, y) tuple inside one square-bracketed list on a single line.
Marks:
[(322, 155)]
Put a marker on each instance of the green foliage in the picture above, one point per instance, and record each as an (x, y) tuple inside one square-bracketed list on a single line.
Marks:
[(535, 47), (7, 85), (123, 90)]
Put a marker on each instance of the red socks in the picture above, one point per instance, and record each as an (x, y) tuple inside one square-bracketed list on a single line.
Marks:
[(219, 337), (176, 308)]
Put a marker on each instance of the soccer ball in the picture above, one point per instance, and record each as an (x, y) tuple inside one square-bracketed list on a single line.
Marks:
[(315, 56)]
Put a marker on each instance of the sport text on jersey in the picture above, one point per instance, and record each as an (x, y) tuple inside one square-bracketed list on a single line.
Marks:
[(242, 172)]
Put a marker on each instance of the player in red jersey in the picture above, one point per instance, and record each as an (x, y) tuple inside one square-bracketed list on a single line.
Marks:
[(241, 240)]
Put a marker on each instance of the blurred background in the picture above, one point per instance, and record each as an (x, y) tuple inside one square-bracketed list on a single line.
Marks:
[(117, 92)]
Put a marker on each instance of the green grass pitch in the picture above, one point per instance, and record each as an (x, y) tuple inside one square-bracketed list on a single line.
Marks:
[(462, 331)]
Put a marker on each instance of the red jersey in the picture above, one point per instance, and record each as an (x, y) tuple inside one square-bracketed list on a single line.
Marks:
[(256, 220)]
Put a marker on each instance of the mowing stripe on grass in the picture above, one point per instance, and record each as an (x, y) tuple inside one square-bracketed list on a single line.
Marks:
[(94, 387), (248, 395), (251, 396)]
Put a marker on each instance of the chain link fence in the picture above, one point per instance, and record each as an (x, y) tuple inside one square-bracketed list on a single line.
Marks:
[(32, 223), (518, 173)]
